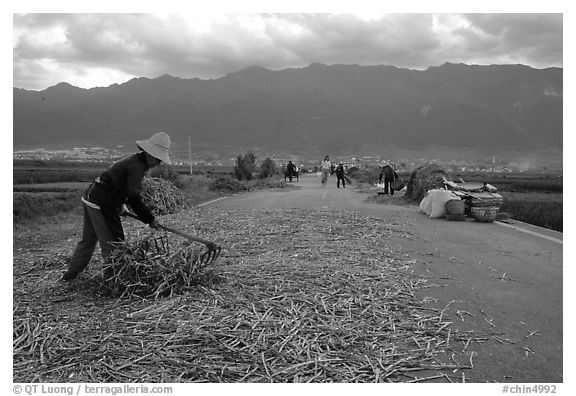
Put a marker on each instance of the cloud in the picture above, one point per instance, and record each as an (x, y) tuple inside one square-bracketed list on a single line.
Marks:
[(400, 39), (535, 39), (99, 49)]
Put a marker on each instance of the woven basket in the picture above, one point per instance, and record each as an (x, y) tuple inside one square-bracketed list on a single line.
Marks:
[(485, 202), (484, 213)]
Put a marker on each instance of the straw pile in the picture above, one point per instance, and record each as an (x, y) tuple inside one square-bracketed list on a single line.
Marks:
[(424, 178), (149, 267), (308, 296), (162, 196), (227, 184)]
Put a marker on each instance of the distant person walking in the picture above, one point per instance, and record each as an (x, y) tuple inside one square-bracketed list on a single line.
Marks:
[(326, 167), (291, 171), (389, 175), (104, 201), (340, 175)]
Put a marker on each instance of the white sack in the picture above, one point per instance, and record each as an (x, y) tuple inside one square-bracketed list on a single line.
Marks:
[(439, 199), (426, 205)]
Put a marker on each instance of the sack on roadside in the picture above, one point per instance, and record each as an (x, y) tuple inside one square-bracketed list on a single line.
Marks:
[(426, 205), (439, 199)]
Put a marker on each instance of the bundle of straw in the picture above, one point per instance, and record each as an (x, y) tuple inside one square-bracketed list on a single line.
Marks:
[(424, 178), (145, 269), (162, 196)]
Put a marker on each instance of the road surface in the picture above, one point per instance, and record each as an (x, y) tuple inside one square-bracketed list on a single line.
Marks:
[(499, 279)]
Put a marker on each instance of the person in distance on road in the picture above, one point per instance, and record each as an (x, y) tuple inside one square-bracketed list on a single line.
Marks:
[(389, 176), (104, 201), (340, 175), (291, 170), (326, 169)]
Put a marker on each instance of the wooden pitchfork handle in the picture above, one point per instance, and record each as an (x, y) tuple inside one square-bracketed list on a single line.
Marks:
[(209, 244), (191, 237)]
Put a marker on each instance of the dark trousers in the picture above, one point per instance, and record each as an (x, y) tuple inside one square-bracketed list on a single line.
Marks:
[(100, 226), (289, 175), (341, 178), (388, 184)]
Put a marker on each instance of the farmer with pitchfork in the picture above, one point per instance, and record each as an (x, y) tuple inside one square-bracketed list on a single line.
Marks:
[(106, 198)]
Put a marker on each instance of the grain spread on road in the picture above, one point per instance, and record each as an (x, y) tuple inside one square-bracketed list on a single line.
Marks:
[(306, 296)]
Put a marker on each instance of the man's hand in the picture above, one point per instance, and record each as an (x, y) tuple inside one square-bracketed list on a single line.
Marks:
[(154, 224), (211, 246)]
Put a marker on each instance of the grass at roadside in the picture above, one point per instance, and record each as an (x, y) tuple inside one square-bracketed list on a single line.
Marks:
[(541, 209), (40, 205)]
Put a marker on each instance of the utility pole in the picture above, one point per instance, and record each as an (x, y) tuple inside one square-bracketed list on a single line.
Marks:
[(190, 154)]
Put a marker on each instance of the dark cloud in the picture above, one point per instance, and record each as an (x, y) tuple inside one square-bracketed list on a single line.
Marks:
[(72, 47), (535, 39)]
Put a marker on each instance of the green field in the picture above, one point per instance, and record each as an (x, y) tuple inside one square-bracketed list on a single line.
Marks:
[(542, 209), (517, 182)]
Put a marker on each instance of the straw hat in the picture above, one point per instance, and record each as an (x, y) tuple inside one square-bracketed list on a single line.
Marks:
[(157, 146)]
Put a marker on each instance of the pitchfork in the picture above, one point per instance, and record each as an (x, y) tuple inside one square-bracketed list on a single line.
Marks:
[(205, 258)]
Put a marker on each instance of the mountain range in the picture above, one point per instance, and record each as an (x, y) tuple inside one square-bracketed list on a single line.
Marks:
[(315, 109)]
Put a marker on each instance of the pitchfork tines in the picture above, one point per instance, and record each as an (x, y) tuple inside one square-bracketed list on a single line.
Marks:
[(206, 258), (210, 256)]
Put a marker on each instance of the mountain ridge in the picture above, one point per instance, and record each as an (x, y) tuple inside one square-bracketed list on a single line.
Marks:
[(316, 108)]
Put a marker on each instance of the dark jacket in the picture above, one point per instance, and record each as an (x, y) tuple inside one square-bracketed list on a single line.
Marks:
[(340, 171), (291, 168), (121, 183), (389, 173)]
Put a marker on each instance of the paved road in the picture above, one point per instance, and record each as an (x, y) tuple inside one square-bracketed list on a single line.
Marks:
[(501, 280)]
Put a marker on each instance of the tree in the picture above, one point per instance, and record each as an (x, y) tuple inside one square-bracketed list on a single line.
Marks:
[(267, 168), (245, 166)]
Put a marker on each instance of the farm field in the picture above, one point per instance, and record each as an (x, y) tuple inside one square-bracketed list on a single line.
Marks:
[(52, 171), (537, 208), (517, 182)]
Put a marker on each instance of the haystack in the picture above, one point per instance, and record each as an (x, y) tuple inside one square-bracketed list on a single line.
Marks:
[(424, 178), (149, 267), (162, 196)]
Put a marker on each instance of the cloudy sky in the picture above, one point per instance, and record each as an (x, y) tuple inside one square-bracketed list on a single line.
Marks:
[(88, 50)]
